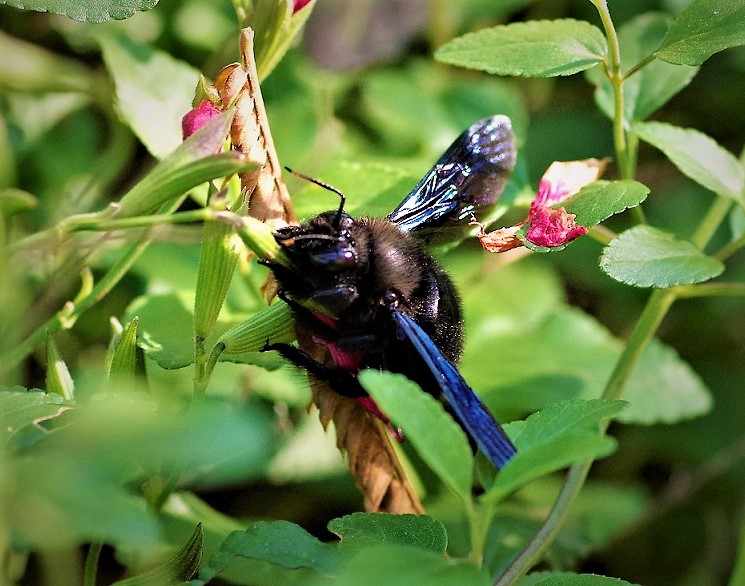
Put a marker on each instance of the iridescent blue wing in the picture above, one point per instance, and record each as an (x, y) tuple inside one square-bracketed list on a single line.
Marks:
[(468, 408), (469, 176)]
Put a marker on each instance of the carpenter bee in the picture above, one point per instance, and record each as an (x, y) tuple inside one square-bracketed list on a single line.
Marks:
[(367, 290)]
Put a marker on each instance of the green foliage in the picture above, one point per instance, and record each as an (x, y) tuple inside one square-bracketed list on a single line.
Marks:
[(697, 156), (705, 27), (532, 49), (178, 421), (88, 10), (152, 89), (647, 257), (652, 86), (447, 452)]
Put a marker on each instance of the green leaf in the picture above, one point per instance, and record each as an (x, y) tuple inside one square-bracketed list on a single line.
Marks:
[(21, 408), (653, 85), (280, 543), (592, 204), (705, 27), (679, 393), (533, 49), (182, 567), (165, 329), (601, 199), (440, 442), (405, 565), (153, 91), (378, 528), (647, 257), (567, 354), (86, 10), (697, 156), (373, 188), (570, 579), (82, 482), (552, 439)]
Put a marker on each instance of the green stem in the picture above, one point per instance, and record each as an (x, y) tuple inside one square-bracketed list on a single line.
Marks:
[(613, 71), (480, 518), (71, 311), (543, 538), (66, 316), (738, 574), (711, 290), (657, 306), (602, 234), (91, 563), (99, 224), (712, 220), (639, 66), (730, 248)]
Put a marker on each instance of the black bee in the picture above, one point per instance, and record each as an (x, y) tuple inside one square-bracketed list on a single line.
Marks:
[(367, 289)]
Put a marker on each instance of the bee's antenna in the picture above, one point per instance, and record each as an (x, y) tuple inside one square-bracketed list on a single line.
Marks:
[(342, 198)]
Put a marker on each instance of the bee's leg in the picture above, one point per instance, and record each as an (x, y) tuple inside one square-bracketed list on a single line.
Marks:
[(341, 381)]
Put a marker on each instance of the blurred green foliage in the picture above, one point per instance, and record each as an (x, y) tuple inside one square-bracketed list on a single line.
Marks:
[(86, 110)]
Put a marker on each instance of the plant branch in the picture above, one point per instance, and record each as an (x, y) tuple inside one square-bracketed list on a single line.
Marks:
[(91, 563), (639, 66), (711, 221), (657, 306), (730, 248), (613, 71), (70, 312)]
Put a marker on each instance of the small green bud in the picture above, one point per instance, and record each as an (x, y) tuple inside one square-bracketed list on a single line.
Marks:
[(123, 369), (275, 323), (58, 377), (217, 261)]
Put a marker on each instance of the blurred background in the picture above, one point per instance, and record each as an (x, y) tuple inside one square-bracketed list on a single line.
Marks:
[(360, 102)]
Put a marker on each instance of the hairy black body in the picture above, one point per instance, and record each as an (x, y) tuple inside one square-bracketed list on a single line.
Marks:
[(344, 282)]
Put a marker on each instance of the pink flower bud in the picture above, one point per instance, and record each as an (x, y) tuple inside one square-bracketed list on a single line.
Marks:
[(298, 4), (197, 117)]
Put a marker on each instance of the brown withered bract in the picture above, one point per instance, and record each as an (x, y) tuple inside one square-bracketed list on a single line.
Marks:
[(238, 85)]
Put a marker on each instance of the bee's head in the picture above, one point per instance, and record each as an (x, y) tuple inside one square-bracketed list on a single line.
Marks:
[(325, 243)]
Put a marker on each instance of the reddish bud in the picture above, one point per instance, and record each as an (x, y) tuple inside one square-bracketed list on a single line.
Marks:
[(298, 4), (197, 117)]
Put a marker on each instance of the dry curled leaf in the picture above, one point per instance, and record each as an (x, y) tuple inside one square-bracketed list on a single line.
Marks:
[(367, 444), (238, 85)]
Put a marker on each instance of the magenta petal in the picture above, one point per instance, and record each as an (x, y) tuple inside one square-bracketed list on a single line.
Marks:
[(298, 4), (197, 117), (552, 227)]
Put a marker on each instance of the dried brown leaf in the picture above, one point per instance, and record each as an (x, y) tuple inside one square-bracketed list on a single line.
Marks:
[(366, 442)]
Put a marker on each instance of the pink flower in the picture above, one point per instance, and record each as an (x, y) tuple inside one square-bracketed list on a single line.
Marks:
[(551, 227), (548, 225), (197, 117)]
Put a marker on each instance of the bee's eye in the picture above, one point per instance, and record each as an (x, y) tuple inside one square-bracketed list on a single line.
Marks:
[(335, 260)]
